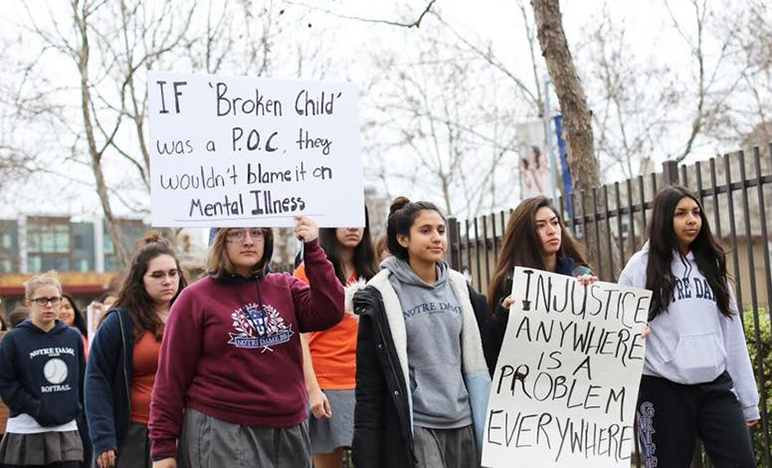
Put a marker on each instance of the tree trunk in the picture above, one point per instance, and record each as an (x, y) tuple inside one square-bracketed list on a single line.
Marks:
[(94, 153), (577, 122)]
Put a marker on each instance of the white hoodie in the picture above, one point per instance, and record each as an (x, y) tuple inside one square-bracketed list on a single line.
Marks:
[(692, 342)]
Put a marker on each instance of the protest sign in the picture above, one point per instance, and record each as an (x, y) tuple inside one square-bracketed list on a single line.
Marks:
[(239, 151), (566, 382)]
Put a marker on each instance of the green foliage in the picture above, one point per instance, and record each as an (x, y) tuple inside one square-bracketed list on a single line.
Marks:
[(765, 333)]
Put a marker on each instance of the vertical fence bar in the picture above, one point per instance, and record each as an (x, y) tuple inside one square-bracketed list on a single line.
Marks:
[(633, 240), (455, 244), (597, 231), (477, 254), (716, 204), (768, 284), (698, 174), (495, 239), (733, 230), (572, 212), (621, 243), (485, 250), (684, 176), (642, 194), (468, 247), (608, 235), (503, 224)]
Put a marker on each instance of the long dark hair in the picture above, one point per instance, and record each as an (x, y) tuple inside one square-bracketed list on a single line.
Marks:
[(402, 214), (132, 295), (364, 254), (709, 253), (78, 321), (522, 245)]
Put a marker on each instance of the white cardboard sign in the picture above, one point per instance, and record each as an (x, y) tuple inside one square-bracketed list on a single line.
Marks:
[(240, 151), (566, 383)]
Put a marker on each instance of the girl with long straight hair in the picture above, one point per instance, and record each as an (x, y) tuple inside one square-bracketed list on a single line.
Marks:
[(124, 356), (535, 238), (329, 356), (697, 375), (41, 381), (229, 389), (421, 380)]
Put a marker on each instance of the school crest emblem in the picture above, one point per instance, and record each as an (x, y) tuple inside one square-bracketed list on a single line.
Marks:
[(259, 327)]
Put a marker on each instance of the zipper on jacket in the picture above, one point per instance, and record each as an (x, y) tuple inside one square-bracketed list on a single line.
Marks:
[(397, 380), (123, 364)]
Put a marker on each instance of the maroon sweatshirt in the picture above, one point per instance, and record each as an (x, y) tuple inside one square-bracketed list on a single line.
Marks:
[(231, 349)]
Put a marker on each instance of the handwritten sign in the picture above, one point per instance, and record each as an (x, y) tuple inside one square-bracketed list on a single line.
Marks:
[(239, 151), (566, 383)]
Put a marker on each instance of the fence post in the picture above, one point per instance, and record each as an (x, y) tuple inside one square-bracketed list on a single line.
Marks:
[(454, 244), (669, 173)]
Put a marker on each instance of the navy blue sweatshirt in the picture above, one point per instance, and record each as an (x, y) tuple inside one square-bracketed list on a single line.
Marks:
[(41, 373)]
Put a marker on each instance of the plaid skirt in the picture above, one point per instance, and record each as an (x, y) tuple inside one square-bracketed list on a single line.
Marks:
[(41, 448)]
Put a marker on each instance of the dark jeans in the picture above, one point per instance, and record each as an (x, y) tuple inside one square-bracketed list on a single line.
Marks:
[(671, 416)]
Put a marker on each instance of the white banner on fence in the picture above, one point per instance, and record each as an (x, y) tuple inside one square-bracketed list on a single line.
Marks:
[(239, 151), (566, 383)]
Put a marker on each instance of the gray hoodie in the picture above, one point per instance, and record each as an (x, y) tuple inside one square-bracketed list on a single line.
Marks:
[(433, 322), (693, 342)]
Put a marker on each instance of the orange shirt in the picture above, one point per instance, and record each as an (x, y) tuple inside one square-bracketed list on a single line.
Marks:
[(144, 364), (334, 351)]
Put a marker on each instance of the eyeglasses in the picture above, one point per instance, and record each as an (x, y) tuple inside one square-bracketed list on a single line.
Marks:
[(238, 235), (42, 301), (162, 275)]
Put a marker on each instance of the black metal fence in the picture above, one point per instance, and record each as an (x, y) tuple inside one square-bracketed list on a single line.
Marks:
[(733, 192)]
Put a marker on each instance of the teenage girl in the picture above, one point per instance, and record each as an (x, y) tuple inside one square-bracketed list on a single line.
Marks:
[(124, 356), (535, 238), (41, 376), (329, 363), (229, 390), (421, 380), (697, 376)]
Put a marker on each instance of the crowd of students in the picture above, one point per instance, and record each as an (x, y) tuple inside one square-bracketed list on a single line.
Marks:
[(246, 367)]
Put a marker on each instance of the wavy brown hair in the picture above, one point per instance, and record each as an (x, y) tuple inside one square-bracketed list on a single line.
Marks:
[(522, 245), (132, 295)]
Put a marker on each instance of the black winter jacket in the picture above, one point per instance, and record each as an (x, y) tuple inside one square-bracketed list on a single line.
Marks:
[(383, 437)]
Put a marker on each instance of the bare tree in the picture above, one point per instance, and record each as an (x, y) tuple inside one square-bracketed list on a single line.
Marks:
[(441, 124)]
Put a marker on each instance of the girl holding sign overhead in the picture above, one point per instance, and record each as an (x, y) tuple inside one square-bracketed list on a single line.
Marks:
[(329, 362), (697, 376), (229, 390), (535, 238), (421, 380)]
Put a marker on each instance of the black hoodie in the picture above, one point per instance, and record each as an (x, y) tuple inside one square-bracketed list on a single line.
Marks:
[(41, 373)]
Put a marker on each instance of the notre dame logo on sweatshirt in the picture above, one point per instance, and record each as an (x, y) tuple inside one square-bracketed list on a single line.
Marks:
[(259, 327), (55, 370)]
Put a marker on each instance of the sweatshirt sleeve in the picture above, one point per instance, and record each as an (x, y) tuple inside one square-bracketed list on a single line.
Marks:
[(18, 399), (319, 304), (738, 362), (177, 362), (100, 372)]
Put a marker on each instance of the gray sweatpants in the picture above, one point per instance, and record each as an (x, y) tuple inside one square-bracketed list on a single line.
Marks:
[(207, 442), (445, 448)]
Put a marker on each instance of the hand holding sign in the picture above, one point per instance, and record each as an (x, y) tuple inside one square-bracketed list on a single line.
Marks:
[(306, 229)]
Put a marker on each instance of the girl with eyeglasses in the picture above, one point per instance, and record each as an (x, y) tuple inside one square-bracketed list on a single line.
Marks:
[(229, 389), (41, 375), (124, 356), (329, 362)]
